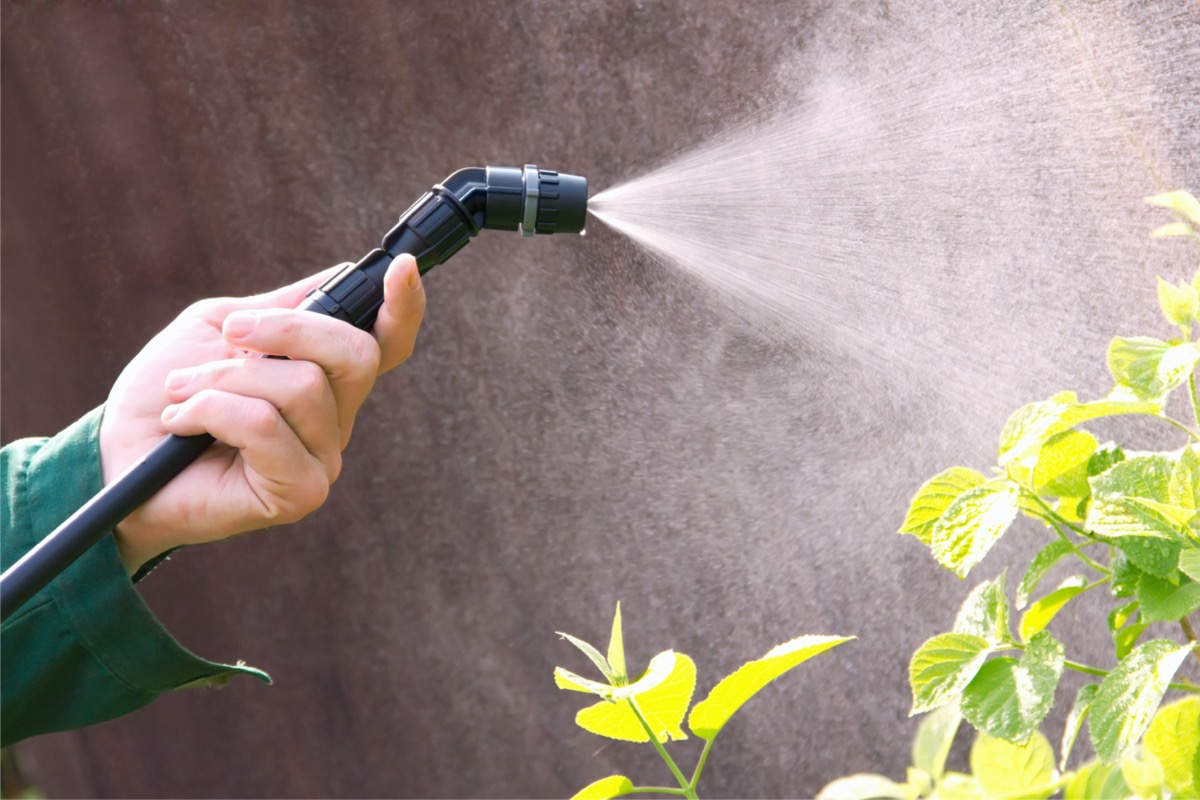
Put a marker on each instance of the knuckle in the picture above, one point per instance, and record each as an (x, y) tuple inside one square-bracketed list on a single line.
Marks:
[(260, 418), (310, 379)]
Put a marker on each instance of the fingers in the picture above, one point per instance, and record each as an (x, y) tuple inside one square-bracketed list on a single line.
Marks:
[(283, 481), (401, 313), (348, 356), (299, 390)]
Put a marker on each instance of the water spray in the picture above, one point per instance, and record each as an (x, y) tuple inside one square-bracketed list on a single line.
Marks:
[(529, 200)]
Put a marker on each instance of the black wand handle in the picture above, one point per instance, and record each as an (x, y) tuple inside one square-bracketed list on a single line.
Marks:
[(432, 230)]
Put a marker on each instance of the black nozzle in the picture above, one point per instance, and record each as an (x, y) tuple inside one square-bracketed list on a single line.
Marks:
[(445, 218)]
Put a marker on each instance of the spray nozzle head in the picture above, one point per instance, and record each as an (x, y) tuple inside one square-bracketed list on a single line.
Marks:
[(527, 199)]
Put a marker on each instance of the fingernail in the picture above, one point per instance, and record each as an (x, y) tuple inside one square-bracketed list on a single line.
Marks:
[(240, 324), (414, 276), (177, 380)]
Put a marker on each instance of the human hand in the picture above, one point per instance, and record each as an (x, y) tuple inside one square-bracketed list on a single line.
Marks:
[(281, 425)]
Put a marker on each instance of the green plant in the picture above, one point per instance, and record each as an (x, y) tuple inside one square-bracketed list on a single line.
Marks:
[(652, 707), (1161, 767), (1129, 520)]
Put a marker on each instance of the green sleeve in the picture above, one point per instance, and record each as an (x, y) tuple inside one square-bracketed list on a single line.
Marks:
[(86, 648)]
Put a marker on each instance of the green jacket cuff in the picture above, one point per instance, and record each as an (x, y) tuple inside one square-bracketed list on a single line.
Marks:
[(89, 635)]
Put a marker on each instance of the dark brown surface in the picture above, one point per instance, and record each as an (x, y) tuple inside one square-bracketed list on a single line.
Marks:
[(579, 424)]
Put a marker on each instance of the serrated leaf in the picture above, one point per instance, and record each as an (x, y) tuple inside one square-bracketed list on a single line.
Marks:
[(1079, 710), (711, 713), (1181, 202), (663, 707), (1032, 425), (1119, 500), (1006, 770), (1173, 738), (985, 612), (934, 497), (1062, 464), (865, 786), (1129, 696), (1009, 699), (616, 647), (942, 667), (971, 525), (1189, 562), (1039, 615), (1125, 574), (1164, 601), (605, 788), (935, 735), (592, 653), (1042, 563), (1150, 367), (1183, 488), (660, 668), (1178, 303), (1104, 458), (1155, 556)]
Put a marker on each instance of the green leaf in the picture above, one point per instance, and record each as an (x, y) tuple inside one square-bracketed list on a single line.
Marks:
[(1062, 464), (1006, 770), (1104, 458), (1083, 701), (1129, 696), (1173, 738), (1183, 489), (935, 735), (1125, 574), (942, 667), (1155, 556), (865, 786), (1030, 426), (934, 497), (1133, 499), (1178, 303), (605, 788), (711, 713), (1042, 563), (1144, 776), (1008, 699), (616, 647), (593, 654), (1127, 638), (1097, 781), (964, 534), (1189, 562), (663, 707), (1150, 367), (985, 612), (1163, 601), (1181, 202), (1038, 616)]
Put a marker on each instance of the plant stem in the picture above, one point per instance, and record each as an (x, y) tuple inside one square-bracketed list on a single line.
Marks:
[(1190, 633), (688, 791), (1054, 518), (658, 789), (701, 762), (1103, 673), (1181, 426)]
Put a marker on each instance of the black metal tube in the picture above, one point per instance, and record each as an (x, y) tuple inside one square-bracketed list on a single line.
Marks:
[(432, 230)]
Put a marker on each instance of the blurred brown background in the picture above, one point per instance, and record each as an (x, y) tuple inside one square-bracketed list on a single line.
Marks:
[(580, 423)]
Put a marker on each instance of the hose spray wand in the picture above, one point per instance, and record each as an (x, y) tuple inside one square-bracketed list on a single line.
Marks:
[(438, 225)]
